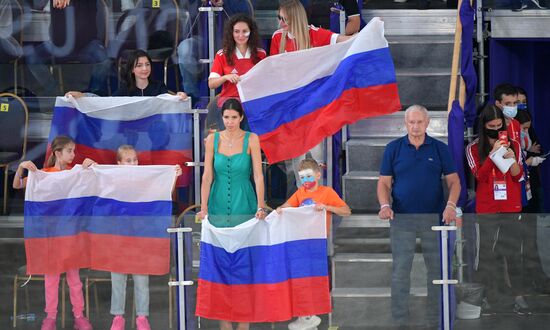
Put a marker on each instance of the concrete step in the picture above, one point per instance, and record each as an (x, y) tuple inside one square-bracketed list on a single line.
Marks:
[(430, 89), (365, 154), (370, 308), (377, 270), (393, 125), (411, 22), (429, 52), (364, 221), (359, 191)]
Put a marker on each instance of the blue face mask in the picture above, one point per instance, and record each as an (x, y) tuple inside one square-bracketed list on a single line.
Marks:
[(522, 106), (510, 112)]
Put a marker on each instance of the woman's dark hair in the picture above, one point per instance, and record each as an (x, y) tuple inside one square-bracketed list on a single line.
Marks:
[(521, 91), (490, 112), (229, 44), (523, 116), (129, 77), (233, 104)]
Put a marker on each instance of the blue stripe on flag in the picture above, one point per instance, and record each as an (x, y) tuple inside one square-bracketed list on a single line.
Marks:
[(361, 70), (96, 206), (60, 226), (158, 132), (264, 264)]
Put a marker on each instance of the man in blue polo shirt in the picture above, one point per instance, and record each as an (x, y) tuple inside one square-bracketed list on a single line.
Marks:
[(410, 174)]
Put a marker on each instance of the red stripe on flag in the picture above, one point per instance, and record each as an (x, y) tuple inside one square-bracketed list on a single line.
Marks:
[(121, 254), (297, 137), (160, 157), (264, 302)]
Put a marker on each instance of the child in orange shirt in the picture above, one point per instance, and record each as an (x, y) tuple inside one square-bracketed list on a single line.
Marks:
[(324, 198)]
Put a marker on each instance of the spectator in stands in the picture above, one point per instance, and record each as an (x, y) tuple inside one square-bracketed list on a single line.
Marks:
[(524, 4), (410, 176), (241, 51), (534, 277), (353, 16), (77, 42), (192, 48), (137, 77), (498, 199), (227, 196), (10, 49), (506, 99), (295, 34)]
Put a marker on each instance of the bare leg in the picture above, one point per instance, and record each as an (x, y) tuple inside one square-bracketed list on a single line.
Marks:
[(243, 326), (226, 325)]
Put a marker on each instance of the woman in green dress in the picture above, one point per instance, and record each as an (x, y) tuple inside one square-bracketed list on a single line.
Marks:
[(227, 196)]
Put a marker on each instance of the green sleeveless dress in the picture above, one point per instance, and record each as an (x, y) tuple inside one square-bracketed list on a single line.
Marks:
[(232, 199)]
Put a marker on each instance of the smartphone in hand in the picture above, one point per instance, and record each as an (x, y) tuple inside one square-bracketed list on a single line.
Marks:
[(503, 137)]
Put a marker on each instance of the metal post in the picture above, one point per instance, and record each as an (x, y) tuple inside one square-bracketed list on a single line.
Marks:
[(445, 281), (342, 22), (181, 283), (328, 141), (197, 156), (481, 50), (343, 31), (211, 40)]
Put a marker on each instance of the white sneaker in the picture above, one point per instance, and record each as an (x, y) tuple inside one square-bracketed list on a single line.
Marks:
[(305, 323)]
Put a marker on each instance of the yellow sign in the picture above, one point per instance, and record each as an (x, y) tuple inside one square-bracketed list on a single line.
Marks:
[(155, 3), (197, 219), (4, 107)]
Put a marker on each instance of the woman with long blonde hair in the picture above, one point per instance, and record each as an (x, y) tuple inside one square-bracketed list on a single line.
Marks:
[(296, 34)]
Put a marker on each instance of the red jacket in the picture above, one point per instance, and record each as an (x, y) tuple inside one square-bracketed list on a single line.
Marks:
[(486, 174)]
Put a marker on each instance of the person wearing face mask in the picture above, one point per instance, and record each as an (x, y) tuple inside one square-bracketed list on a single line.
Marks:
[(534, 275), (325, 199), (498, 202), (506, 99)]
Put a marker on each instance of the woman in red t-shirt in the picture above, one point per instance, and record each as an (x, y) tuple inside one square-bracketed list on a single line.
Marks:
[(296, 34), (498, 198), (241, 51)]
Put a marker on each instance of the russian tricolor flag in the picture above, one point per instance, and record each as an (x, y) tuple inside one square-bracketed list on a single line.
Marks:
[(156, 126), (106, 217), (294, 100), (265, 270)]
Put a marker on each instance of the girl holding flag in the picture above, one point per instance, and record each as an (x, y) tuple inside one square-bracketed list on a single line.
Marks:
[(63, 153)]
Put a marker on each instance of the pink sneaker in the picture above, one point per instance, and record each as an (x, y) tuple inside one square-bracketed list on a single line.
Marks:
[(142, 323), (82, 323), (48, 324), (118, 323)]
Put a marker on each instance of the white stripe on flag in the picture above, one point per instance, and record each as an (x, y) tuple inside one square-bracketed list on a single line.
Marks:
[(291, 225), (289, 71), (125, 108), (123, 183)]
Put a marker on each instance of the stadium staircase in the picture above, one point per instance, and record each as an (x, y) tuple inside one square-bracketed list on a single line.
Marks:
[(421, 43)]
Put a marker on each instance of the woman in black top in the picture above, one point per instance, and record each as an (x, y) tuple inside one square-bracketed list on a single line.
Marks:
[(137, 78)]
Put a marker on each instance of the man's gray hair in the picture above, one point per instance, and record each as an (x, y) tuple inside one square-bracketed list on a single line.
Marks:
[(416, 107)]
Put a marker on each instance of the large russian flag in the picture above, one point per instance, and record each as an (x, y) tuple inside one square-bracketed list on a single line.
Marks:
[(106, 217), (294, 100), (157, 127), (265, 271)]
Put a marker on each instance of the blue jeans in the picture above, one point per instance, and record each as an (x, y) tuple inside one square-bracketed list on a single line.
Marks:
[(404, 229)]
